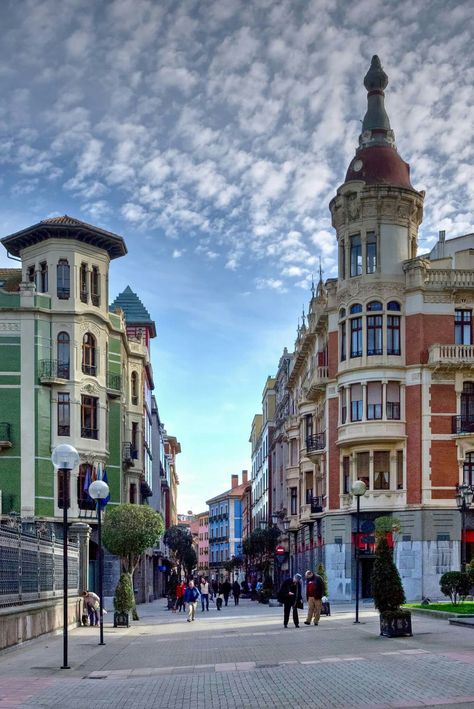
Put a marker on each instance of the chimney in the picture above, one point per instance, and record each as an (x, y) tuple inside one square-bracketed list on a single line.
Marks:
[(245, 476), (235, 480), (442, 236)]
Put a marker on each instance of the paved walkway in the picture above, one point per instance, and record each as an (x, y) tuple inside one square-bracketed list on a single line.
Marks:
[(243, 658)]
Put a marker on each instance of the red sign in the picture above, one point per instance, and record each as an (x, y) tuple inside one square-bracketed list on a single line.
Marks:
[(279, 549)]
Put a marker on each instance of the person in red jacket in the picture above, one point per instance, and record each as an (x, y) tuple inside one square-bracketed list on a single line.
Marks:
[(180, 589), (314, 594)]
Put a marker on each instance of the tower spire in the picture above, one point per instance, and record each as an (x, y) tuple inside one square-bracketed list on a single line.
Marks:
[(376, 129)]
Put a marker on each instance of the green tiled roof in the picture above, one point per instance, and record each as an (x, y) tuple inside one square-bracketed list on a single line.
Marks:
[(134, 310)]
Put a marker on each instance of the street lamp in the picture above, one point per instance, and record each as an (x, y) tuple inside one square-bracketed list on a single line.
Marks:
[(263, 524), (65, 458), (286, 527), (359, 488), (99, 491), (464, 496)]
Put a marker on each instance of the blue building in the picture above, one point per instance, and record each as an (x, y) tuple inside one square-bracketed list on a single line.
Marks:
[(225, 526)]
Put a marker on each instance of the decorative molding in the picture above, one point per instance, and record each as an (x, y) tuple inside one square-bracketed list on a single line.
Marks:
[(10, 327), (367, 290), (90, 388), (441, 298)]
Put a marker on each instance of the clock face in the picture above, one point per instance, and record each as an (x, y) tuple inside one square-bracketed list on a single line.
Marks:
[(357, 165)]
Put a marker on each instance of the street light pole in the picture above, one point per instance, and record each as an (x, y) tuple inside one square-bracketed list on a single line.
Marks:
[(99, 491), (358, 489), (65, 458)]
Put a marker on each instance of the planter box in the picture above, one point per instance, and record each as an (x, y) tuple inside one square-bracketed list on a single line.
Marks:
[(393, 626), (121, 620)]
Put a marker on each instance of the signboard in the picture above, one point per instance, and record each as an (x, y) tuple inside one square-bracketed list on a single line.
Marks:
[(279, 549)]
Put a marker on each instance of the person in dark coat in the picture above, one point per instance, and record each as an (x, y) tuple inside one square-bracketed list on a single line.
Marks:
[(236, 592), (225, 589), (291, 596)]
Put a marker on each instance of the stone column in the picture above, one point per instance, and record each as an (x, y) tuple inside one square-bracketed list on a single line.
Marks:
[(82, 531)]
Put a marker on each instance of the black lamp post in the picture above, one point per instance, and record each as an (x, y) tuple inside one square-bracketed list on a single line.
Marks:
[(359, 488), (286, 526), (464, 496), (65, 458), (99, 491)]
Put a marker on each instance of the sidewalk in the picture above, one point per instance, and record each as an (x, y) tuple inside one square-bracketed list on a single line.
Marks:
[(243, 657)]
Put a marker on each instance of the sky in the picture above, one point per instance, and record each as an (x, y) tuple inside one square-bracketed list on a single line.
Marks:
[(212, 134)]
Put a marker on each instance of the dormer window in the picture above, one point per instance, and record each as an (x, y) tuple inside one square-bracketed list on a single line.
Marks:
[(84, 291), (63, 280), (95, 286)]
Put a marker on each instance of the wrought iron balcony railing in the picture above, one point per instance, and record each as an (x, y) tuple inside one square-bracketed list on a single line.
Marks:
[(316, 504), (87, 432), (114, 381), (129, 453), (462, 424), (53, 369), (317, 442)]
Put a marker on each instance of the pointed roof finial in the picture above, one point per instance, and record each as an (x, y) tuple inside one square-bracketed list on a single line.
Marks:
[(303, 319), (376, 121), (320, 271), (312, 286)]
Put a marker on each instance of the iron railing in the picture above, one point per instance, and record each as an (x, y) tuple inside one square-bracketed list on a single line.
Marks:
[(114, 381), (87, 432), (317, 442), (462, 424), (316, 504), (129, 452), (53, 369)]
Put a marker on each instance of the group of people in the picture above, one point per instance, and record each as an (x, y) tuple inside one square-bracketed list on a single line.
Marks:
[(189, 593), (291, 596)]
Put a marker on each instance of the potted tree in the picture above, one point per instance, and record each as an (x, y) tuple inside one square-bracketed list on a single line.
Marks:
[(388, 594), (124, 601)]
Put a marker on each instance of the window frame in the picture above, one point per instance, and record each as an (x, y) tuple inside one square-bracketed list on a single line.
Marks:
[(89, 354), (63, 279), (89, 414), (63, 409), (463, 326), (355, 255), (371, 258), (393, 334)]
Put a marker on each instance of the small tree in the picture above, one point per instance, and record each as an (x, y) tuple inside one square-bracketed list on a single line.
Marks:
[(322, 572), (179, 540), (387, 588), (128, 531), (456, 585), (189, 560), (124, 600)]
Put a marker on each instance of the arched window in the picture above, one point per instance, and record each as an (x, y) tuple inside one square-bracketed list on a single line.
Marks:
[(63, 355), (134, 388), (89, 354), (356, 308), (374, 305), (63, 280), (342, 313), (393, 305)]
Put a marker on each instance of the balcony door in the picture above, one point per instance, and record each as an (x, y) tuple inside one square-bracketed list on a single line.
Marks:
[(467, 403)]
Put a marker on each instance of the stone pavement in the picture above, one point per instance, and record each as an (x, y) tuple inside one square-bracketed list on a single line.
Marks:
[(243, 658)]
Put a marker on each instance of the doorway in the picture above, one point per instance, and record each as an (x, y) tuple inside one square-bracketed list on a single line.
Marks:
[(366, 566)]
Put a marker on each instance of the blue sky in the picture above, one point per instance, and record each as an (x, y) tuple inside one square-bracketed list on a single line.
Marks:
[(212, 134)]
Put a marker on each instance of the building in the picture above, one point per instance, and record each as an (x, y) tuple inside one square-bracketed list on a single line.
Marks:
[(203, 542), (261, 439), (381, 381), (225, 525)]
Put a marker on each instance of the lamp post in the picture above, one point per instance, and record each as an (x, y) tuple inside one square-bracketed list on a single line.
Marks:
[(65, 458), (99, 491), (464, 496), (286, 527), (359, 488)]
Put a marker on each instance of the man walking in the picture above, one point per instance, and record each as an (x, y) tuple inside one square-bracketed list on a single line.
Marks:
[(226, 588), (191, 596), (204, 589), (314, 594)]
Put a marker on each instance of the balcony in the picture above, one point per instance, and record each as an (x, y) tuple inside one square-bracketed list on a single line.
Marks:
[(317, 504), (450, 278), (450, 356), (114, 385), (5, 436), (129, 454), (53, 372), (461, 424), (317, 383), (315, 446)]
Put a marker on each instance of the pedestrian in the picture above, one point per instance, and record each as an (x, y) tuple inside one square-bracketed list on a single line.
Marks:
[(180, 590), (236, 592), (226, 588), (219, 601), (290, 596), (191, 596), (314, 594), (215, 586), (92, 604), (204, 590)]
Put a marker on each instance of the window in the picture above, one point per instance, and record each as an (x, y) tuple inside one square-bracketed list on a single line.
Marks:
[(293, 451), (342, 398), (43, 277), (393, 400), (342, 330), (308, 495), (381, 470), (134, 440), (89, 417), (63, 281), (374, 400), (374, 305), (356, 308), (134, 388), (356, 255), (64, 414), (374, 335), (356, 337), (293, 500), (95, 286), (356, 402), (362, 462), (393, 334), (84, 293), (468, 469), (371, 252), (84, 502), (30, 274), (342, 262), (64, 477), (132, 493), (467, 405), (346, 475), (63, 351), (399, 470), (88, 354), (463, 327), (393, 305), (309, 426)]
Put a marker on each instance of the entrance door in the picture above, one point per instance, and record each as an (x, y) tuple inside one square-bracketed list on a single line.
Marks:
[(366, 572)]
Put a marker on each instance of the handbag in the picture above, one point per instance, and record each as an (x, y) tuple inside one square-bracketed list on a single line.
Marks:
[(299, 604)]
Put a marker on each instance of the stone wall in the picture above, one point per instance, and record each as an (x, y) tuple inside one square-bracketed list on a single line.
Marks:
[(21, 623)]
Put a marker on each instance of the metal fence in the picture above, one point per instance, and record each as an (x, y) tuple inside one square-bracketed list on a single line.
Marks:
[(31, 566)]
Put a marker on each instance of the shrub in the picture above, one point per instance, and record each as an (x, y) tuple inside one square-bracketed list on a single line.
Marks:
[(387, 586), (456, 585), (124, 600)]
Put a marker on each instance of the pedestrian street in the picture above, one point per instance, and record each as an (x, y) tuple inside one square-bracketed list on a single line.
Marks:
[(244, 657)]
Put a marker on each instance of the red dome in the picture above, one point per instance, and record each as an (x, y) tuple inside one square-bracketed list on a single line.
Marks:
[(379, 165)]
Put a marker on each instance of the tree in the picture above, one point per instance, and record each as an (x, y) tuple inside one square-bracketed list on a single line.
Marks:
[(128, 531), (259, 548), (189, 560), (322, 572), (179, 540), (387, 588), (456, 585), (124, 600)]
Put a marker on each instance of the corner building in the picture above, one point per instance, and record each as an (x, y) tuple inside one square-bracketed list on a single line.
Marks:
[(382, 380)]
